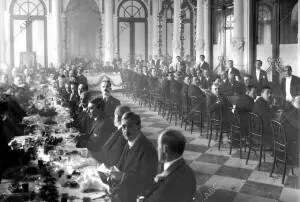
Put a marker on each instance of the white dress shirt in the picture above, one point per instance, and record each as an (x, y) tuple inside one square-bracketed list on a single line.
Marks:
[(288, 88), (168, 164), (257, 74), (131, 143)]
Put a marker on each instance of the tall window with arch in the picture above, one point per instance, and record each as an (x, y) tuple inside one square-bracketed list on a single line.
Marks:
[(28, 32), (132, 31)]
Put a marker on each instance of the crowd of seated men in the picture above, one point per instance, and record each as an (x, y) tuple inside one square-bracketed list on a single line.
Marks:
[(246, 93)]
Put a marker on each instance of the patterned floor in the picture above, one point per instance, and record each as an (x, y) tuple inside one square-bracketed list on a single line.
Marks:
[(220, 176)]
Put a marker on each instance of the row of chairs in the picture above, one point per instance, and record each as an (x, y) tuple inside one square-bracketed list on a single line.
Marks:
[(189, 112)]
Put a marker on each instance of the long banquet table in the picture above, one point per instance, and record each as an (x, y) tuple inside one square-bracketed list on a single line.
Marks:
[(74, 170)]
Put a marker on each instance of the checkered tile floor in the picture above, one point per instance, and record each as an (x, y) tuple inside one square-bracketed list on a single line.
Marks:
[(220, 176)]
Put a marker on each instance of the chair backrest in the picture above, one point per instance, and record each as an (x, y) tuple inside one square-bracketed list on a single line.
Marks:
[(217, 114), (256, 128), (280, 140), (196, 103), (235, 120)]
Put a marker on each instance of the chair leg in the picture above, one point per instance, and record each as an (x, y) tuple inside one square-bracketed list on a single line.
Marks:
[(241, 144), (292, 168), (185, 124), (210, 135), (248, 154), (230, 150), (201, 124), (273, 166), (260, 157), (220, 139), (284, 172)]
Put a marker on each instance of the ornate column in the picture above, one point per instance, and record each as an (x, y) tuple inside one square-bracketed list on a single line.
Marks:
[(199, 30), (238, 41), (248, 31), (155, 34), (108, 31), (65, 36), (176, 30), (207, 31), (56, 35)]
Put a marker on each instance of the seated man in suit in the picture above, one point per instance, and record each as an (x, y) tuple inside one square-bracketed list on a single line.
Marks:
[(110, 102), (198, 100), (137, 165), (101, 129), (218, 103), (290, 84), (263, 109), (244, 105), (114, 146), (207, 80), (290, 120), (176, 182), (260, 78), (226, 86)]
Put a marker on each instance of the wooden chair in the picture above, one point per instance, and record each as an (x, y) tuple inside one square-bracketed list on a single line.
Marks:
[(216, 120), (280, 148), (196, 115), (255, 139), (235, 130)]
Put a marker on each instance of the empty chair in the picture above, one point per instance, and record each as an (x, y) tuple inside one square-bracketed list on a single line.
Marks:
[(255, 139), (280, 148)]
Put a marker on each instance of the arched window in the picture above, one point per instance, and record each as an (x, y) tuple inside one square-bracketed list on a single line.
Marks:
[(28, 8), (132, 30), (132, 9), (264, 24), (28, 33)]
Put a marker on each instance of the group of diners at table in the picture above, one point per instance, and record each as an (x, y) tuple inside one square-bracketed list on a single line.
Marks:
[(112, 131), (187, 90), (112, 134)]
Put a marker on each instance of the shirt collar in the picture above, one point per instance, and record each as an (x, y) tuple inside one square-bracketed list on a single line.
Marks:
[(170, 163), (131, 143)]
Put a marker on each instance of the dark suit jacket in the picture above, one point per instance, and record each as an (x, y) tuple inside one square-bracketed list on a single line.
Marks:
[(184, 94), (200, 102), (139, 165), (235, 71), (206, 83), (244, 105), (204, 66), (295, 86), (98, 135), (215, 107), (263, 80), (110, 105), (113, 148), (226, 88), (175, 88), (178, 186), (290, 120), (262, 108)]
